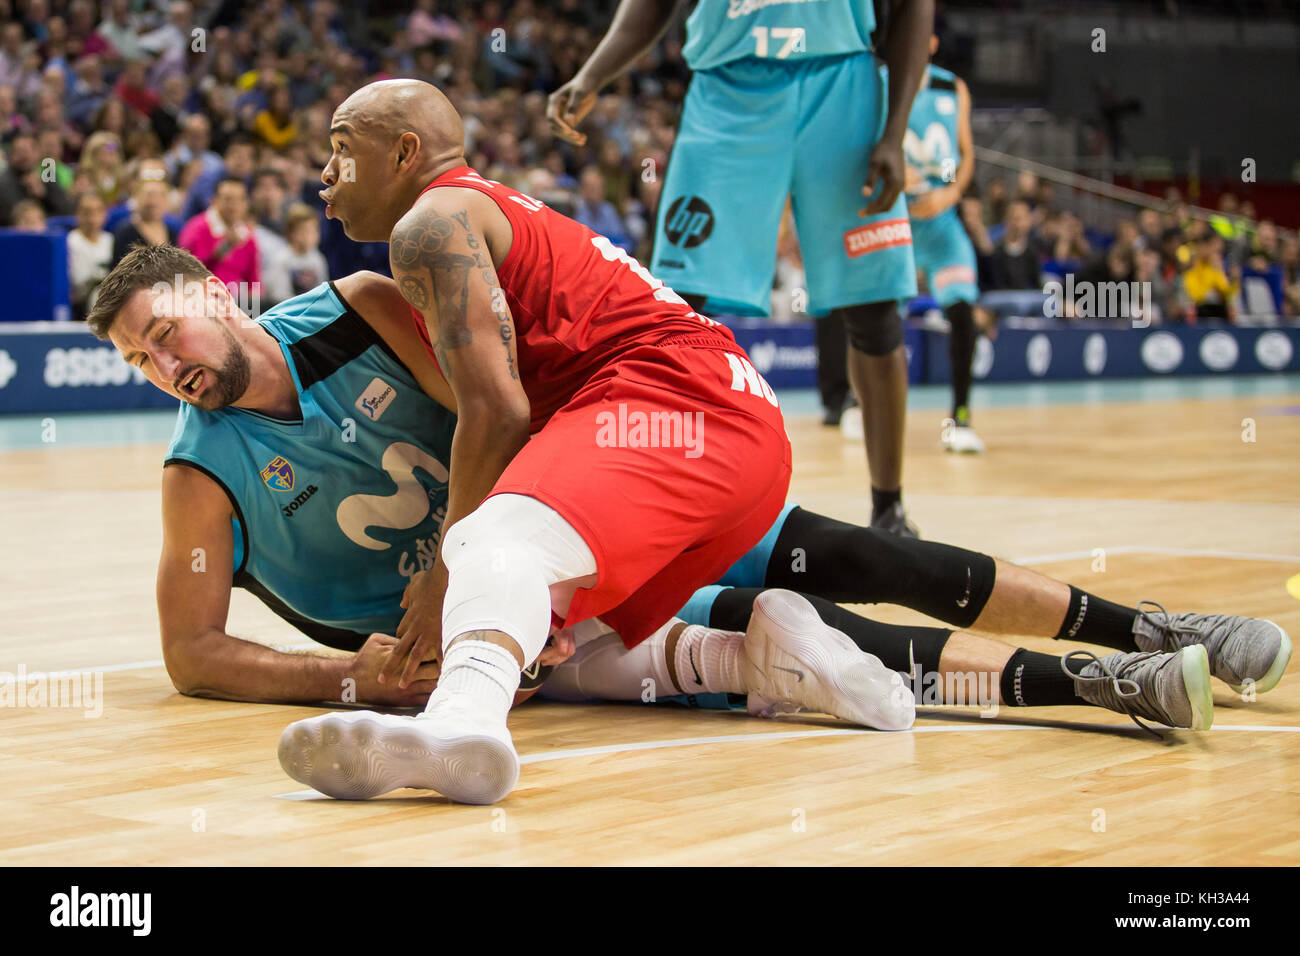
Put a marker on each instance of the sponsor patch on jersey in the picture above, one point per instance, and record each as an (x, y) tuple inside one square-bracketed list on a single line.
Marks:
[(278, 474), (877, 235), (377, 397)]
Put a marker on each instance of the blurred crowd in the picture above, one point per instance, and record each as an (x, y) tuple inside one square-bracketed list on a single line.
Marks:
[(1228, 265), (205, 123)]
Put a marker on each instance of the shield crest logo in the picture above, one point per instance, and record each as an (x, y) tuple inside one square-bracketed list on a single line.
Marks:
[(278, 474)]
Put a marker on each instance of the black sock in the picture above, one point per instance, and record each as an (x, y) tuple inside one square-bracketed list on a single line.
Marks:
[(882, 501), (1094, 620), (961, 348), (1031, 679)]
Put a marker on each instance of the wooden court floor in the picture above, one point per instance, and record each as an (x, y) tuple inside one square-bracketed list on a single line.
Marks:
[(1182, 509)]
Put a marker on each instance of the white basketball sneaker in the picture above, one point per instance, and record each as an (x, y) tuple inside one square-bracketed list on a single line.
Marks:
[(963, 440), (354, 755), (793, 660)]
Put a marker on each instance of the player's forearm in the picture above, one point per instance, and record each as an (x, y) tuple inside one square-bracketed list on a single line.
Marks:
[(487, 439), (217, 665), (637, 26), (906, 53)]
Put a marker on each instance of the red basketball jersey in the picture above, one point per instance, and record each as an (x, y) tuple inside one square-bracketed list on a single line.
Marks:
[(577, 299)]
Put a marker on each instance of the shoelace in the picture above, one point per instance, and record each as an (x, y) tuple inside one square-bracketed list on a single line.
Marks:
[(1167, 626), (1112, 676)]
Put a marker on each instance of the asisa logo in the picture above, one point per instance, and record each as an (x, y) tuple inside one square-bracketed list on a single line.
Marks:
[(278, 474), (377, 397)]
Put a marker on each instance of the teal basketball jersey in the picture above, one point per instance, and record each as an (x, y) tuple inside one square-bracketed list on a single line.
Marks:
[(930, 144), (721, 31), (334, 512)]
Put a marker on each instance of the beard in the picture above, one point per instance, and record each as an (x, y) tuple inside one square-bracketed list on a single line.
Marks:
[(229, 380)]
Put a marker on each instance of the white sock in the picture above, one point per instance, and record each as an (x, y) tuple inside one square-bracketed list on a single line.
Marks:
[(485, 674), (708, 661)]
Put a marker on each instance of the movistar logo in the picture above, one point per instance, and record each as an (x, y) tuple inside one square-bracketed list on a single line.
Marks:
[(405, 508)]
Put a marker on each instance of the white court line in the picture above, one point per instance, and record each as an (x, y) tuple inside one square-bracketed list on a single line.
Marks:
[(8, 678), (786, 735), (1151, 549), (1033, 559)]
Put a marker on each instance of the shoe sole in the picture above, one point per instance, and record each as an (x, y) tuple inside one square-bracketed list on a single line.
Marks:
[(1196, 681), (355, 757), (797, 629), (1275, 670)]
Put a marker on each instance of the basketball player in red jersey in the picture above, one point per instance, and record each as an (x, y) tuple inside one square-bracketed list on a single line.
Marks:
[(614, 451)]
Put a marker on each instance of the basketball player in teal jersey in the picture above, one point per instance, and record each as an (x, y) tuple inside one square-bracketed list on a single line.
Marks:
[(788, 100), (307, 468), (940, 154)]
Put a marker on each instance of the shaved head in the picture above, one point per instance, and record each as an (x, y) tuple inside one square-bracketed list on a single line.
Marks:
[(383, 111), (390, 140)]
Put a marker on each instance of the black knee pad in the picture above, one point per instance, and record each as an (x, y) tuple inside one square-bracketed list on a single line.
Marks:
[(875, 328)]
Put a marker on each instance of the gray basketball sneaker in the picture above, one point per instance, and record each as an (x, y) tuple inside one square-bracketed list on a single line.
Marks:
[(893, 520), (1171, 689), (1242, 650)]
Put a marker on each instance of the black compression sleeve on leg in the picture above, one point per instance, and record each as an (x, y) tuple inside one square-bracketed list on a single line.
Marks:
[(889, 642), (847, 564), (961, 348)]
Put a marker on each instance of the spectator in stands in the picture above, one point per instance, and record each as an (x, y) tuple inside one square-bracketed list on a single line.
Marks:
[(1150, 232), (13, 56), (1126, 233), (1289, 259), (1044, 199), (133, 88), (49, 144), (269, 199), (1262, 266), (305, 263), (995, 202), (88, 90), (90, 253), (613, 169), (1150, 272), (100, 168), (146, 225), (170, 43), (26, 178), (222, 238), (192, 145), (274, 124), (1027, 188), (1206, 286), (1114, 265), (1062, 243), (123, 43), (28, 216), (596, 212), (241, 154), (1014, 262)]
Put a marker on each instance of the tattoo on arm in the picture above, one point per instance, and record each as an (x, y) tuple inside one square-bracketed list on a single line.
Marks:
[(505, 323), (420, 248)]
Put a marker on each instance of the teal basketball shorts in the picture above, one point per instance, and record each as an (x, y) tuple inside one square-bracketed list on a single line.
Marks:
[(754, 132)]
